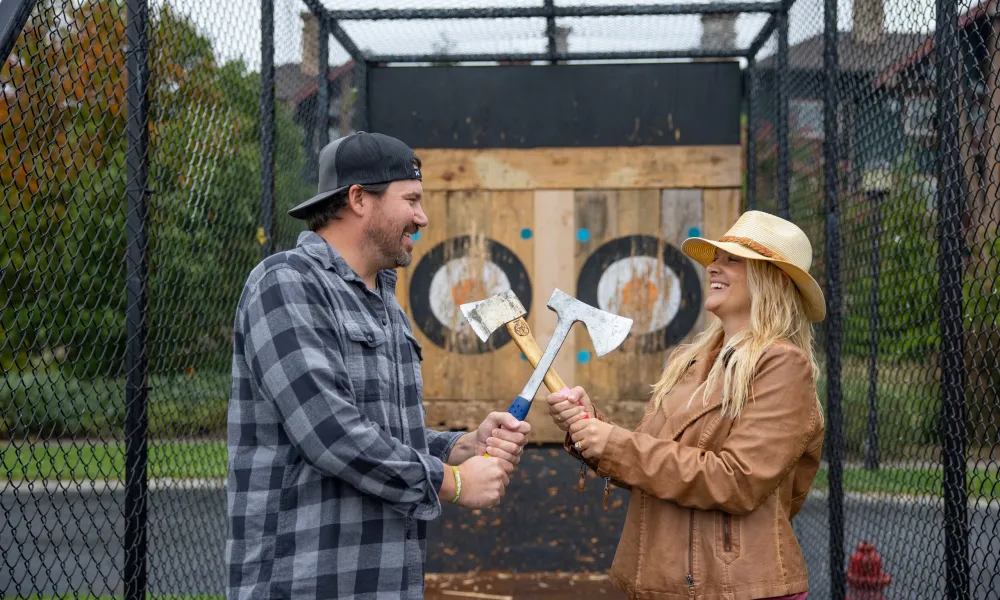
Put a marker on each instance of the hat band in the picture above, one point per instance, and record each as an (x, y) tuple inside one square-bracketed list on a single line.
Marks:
[(755, 246)]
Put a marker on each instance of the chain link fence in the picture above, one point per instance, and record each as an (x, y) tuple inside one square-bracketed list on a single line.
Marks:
[(142, 180), (912, 180)]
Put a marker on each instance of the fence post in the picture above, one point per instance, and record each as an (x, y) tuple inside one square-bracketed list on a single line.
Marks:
[(949, 201), (265, 232), (781, 81), (751, 132), (137, 122), (875, 194), (550, 29), (361, 102), (322, 86), (831, 159)]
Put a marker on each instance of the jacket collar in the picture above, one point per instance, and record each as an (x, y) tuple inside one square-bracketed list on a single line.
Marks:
[(313, 245), (689, 412)]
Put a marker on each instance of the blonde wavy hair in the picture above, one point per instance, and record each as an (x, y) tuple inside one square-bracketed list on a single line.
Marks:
[(777, 312)]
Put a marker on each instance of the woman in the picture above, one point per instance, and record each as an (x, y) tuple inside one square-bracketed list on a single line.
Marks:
[(731, 439)]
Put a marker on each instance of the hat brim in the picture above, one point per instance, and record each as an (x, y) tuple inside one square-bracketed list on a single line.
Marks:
[(306, 208), (703, 251)]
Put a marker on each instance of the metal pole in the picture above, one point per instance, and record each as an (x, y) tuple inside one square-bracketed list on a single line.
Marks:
[(322, 87), (751, 133), (136, 127), (550, 29), (834, 394), (561, 56), (953, 376), (265, 233), (781, 81), (361, 101), (13, 15), (763, 35), (621, 10), (871, 439)]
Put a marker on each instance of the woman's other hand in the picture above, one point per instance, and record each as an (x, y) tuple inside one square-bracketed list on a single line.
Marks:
[(567, 406)]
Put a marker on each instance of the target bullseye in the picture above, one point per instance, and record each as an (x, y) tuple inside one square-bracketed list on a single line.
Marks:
[(648, 280), (460, 270)]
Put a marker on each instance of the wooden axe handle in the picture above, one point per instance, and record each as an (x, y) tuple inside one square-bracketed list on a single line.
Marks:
[(521, 334)]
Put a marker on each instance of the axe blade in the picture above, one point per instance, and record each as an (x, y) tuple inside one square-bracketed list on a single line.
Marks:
[(486, 316)]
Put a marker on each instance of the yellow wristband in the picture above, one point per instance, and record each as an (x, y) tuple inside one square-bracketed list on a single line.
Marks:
[(458, 484)]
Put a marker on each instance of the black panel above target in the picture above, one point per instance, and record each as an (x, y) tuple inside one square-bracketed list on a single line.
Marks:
[(460, 270), (521, 106), (649, 280)]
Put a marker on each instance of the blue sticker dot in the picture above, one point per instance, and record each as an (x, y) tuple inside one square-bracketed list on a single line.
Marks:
[(583, 234), (526, 234), (523, 357), (416, 236), (694, 232), (583, 356)]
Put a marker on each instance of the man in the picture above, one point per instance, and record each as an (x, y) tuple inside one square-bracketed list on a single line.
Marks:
[(332, 474)]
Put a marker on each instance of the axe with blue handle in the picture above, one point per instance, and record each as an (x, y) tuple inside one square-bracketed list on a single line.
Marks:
[(607, 331)]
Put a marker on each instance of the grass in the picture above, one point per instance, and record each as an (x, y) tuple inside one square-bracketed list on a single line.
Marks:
[(195, 460), (981, 482), (81, 461)]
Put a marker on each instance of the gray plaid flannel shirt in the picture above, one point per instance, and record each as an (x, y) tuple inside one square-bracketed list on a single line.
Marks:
[(332, 474)]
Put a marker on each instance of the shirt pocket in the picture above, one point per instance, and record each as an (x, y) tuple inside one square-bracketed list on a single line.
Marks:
[(367, 359), (413, 355)]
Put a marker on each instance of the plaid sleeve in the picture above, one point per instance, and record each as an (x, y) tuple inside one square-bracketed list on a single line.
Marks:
[(293, 350), (440, 443)]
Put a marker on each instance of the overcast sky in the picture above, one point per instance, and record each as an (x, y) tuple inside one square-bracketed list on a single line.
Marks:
[(235, 29)]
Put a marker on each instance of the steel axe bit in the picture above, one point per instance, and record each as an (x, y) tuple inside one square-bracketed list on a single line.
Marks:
[(607, 331)]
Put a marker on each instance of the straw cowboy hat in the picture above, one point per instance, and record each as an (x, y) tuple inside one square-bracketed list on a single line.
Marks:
[(762, 236)]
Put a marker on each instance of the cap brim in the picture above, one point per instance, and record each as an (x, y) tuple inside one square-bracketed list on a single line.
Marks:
[(303, 210), (703, 251)]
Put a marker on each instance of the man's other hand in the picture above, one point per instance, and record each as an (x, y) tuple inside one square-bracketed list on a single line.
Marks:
[(502, 436), (484, 481)]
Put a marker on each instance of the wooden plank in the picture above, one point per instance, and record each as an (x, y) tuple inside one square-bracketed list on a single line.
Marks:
[(554, 267), (596, 223), (579, 168), (639, 214), (721, 208), (681, 214), (466, 416), (434, 366), (512, 214), (470, 376)]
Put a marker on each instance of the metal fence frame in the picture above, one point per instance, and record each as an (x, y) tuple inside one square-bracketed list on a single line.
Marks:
[(953, 370)]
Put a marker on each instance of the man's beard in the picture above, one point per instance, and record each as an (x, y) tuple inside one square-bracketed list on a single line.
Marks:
[(385, 242)]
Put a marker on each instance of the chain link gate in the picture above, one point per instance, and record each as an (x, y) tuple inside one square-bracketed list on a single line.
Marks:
[(150, 151)]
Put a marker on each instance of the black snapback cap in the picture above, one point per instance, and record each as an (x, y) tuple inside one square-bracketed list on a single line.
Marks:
[(360, 158)]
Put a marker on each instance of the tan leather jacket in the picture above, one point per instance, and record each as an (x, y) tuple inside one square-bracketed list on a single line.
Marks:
[(712, 498)]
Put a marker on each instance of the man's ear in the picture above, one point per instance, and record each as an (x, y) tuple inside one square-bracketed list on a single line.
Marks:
[(356, 200)]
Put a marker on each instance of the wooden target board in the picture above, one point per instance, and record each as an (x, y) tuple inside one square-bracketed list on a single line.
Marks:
[(614, 248), (581, 178)]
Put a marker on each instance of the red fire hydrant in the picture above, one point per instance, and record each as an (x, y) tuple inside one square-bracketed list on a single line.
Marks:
[(865, 578)]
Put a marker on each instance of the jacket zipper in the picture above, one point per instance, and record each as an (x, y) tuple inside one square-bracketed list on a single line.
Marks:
[(690, 577), (725, 530)]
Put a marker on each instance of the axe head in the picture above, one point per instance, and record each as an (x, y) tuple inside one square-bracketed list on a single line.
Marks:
[(486, 316), (607, 331)]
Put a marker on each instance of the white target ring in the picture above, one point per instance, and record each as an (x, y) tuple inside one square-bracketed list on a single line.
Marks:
[(459, 281), (643, 285)]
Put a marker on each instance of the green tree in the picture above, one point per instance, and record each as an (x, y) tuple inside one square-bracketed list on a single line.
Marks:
[(63, 244)]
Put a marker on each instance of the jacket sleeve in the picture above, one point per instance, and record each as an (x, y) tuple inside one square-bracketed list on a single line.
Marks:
[(592, 462), (765, 442), (294, 353)]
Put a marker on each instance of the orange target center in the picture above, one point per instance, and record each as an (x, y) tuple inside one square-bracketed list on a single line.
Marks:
[(639, 293), (468, 290)]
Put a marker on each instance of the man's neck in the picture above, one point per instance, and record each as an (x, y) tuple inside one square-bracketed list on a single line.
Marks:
[(349, 248)]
